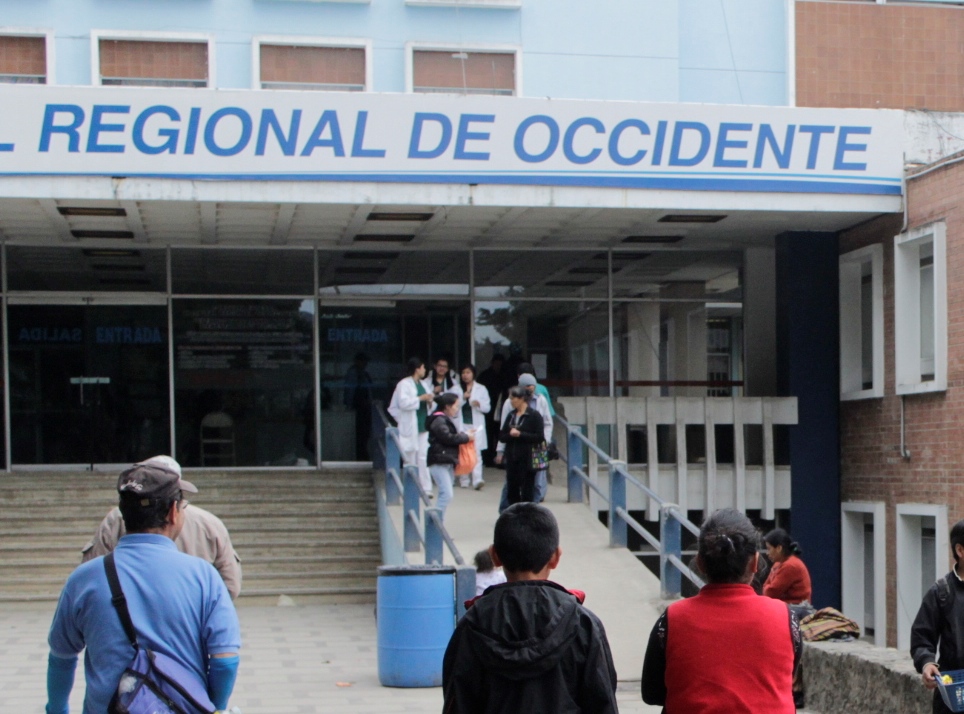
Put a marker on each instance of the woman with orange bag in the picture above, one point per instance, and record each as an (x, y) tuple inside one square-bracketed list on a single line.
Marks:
[(444, 439)]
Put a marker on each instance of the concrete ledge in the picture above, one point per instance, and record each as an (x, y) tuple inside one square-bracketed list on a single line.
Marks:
[(858, 678)]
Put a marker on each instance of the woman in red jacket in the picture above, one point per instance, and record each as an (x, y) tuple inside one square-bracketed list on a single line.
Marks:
[(789, 579), (726, 649)]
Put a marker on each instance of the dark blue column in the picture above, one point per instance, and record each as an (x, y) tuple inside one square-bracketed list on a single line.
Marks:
[(808, 364)]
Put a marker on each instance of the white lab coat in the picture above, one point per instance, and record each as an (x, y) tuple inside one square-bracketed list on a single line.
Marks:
[(404, 410), (429, 383), (480, 394)]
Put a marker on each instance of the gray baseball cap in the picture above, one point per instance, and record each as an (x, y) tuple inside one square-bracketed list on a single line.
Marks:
[(153, 480)]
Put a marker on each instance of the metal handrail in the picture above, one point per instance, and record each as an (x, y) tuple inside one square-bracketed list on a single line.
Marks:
[(402, 486), (668, 545)]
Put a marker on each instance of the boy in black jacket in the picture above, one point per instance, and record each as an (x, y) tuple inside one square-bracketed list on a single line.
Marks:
[(528, 645), (941, 617)]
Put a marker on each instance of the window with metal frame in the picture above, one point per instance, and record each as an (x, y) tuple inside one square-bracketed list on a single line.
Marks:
[(23, 60), (307, 67), (150, 63), (464, 72)]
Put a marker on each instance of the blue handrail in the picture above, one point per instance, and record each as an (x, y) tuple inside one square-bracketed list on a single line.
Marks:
[(402, 485), (671, 519)]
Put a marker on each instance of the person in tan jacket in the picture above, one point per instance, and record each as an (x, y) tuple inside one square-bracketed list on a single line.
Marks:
[(203, 536)]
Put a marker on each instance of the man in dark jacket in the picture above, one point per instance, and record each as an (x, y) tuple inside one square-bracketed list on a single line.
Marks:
[(528, 645), (941, 618), (444, 440)]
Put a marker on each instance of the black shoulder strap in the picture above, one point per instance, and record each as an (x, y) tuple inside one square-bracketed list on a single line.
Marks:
[(943, 591), (118, 599)]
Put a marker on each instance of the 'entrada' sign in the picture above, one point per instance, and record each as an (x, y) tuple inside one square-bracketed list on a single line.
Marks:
[(339, 136)]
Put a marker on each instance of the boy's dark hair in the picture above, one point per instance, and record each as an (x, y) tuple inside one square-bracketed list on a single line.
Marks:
[(483, 562), (140, 517), (780, 537), (446, 399), (525, 368), (727, 542), (413, 364), (957, 537), (526, 536)]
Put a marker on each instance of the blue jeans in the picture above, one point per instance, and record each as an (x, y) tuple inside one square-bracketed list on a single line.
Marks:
[(540, 491), (443, 474)]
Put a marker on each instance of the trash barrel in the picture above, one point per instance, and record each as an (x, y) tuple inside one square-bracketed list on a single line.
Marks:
[(416, 617)]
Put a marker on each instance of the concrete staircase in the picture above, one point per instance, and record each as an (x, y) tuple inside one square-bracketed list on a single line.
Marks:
[(305, 534)]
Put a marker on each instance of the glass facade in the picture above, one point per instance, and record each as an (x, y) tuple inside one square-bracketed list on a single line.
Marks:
[(274, 357)]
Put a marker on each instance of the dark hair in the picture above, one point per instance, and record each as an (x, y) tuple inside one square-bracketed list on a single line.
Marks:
[(525, 368), (143, 514), (413, 364), (526, 536), (727, 542), (957, 537), (471, 367), (483, 562), (446, 399), (497, 356), (778, 536), (520, 392)]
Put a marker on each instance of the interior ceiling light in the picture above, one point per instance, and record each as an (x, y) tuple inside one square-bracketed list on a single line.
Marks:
[(360, 270), (383, 238), (691, 218), (399, 216), (589, 270), (362, 255), (98, 211), (124, 281), (110, 253), (569, 283), (126, 235), (628, 255), (653, 239), (119, 267)]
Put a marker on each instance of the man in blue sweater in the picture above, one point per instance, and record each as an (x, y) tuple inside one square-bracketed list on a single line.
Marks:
[(178, 603)]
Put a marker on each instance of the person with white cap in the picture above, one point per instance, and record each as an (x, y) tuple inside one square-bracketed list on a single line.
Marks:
[(178, 605), (203, 535)]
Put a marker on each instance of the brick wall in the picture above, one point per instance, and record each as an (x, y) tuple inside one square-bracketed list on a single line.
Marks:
[(861, 54), (871, 466)]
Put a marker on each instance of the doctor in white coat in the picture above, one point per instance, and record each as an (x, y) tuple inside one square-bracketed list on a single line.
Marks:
[(475, 405), (409, 408)]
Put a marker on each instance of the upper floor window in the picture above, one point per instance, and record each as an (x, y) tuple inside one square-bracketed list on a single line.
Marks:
[(862, 323), (464, 72), (150, 63), (313, 67), (23, 60), (920, 309)]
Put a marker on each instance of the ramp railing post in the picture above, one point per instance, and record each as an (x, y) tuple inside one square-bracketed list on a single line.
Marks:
[(617, 500), (393, 460), (464, 588), (411, 505), (575, 462), (433, 536), (671, 543)]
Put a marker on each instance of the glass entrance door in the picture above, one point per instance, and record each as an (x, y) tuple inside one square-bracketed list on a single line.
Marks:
[(88, 383)]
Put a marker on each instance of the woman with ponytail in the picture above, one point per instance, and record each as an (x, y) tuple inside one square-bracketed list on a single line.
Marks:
[(789, 579), (726, 649)]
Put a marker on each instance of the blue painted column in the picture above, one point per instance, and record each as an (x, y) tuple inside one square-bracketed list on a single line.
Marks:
[(808, 367)]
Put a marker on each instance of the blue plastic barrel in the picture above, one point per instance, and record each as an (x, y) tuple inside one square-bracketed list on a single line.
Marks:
[(416, 618)]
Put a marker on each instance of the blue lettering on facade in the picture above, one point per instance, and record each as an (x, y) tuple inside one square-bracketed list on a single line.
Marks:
[(357, 335), (50, 334), (724, 142), (50, 126), (357, 144), (288, 143), (211, 127), (415, 150), (551, 144), (844, 146), (169, 134), (105, 335), (97, 126), (570, 136), (465, 135)]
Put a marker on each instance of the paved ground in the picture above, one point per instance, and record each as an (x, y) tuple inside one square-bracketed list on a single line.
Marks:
[(310, 658)]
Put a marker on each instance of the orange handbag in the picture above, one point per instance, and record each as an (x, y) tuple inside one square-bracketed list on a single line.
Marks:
[(467, 459)]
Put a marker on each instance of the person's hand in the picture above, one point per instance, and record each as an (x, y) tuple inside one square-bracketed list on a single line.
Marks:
[(476, 404), (929, 674), (498, 458), (427, 397), (438, 389), (514, 432)]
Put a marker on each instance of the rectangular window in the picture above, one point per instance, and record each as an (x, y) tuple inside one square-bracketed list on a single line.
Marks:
[(863, 547), (23, 60), (148, 63), (308, 67), (862, 323), (920, 315), (463, 72), (922, 556)]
